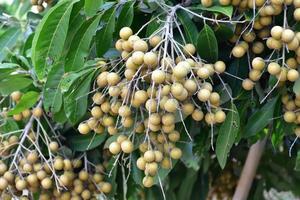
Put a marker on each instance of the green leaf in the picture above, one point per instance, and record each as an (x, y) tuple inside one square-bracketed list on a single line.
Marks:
[(224, 32), (92, 6), (13, 83), (227, 135), (76, 101), (83, 143), (260, 119), (137, 174), (226, 10), (296, 87), (27, 101), (153, 25), (70, 78), (50, 36), (188, 158), (297, 165), (9, 125), (52, 93), (186, 186), (190, 28), (79, 48), (8, 40), (126, 16), (104, 36), (207, 44), (8, 65)]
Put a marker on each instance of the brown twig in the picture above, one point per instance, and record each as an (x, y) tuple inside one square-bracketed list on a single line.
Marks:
[(249, 170)]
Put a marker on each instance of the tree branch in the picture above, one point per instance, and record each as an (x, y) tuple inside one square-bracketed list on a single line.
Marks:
[(249, 170)]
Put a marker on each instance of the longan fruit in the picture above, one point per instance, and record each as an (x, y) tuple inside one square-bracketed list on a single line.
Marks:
[(106, 187), (292, 75), (292, 63), (158, 76), (3, 168), (149, 156), (83, 128), (247, 84), (3, 184), (174, 136), (274, 68), (113, 78), (37, 112), (207, 3), (188, 108), (137, 58), (254, 74), (17, 117), (9, 176), (214, 98), (140, 45), (273, 43), (58, 163), (132, 39), (158, 156), (224, 2), (293, 45), (98, 98), (289, 116), (189, 49), (258, 47), (127, 146), (125, 33), (220, 116), (32, 157), (150, 59), (154, 40), (141, 96), (26, 113), (287, 35), (176, 153), (219, 66), (197, 115), (41, 174), (151, 105), (148, 181), (203, 95), (171, 105), (179, 71), (151, 168), (21, 185), (168, 119), (102, 79), (141, 163), (166, 163), (118, 45), (258, 63), (16, 96), (46, 183), (203, 73), (86, 194), (238, 51)]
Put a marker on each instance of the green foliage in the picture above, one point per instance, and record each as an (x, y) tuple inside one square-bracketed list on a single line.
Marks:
[(27, 101), (207, 44)]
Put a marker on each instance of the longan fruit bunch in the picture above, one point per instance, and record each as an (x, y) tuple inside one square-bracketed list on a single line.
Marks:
[(40, 4), (70, 180), (145, 93), (7, 144)]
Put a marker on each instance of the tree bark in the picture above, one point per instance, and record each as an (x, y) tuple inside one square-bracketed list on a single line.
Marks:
[(249, 170)]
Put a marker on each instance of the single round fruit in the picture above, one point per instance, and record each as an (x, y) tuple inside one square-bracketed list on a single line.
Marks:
[(140, 45), (148, 181), (125, 33), (155, 40), (37, 112), (247, 84), (207, 3), (220, 116), (176, 153), (203, 95), (46, 183), (274, 68), (276, 32), (137, 57), (150, 59), (258, 63), (158, 76), (113, 78), (219, 66), (292, 75), (189, 49), (289, 116), (238, 51), (16, 96), (83, 128), (127, 146)]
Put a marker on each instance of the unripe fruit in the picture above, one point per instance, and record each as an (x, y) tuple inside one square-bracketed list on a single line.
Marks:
[(189, 49), (247, 84), (292, 75), (158, 76), (258, 63), (238, 51), (46, 183), (83, 128), (127, 146), (37, 112), (125, 33), (16, 96), (289, 116), (140, 45), (176, 153), (274, 68), (219, 66), (150, 59), (148, 181), (203, 95), (287, 35)]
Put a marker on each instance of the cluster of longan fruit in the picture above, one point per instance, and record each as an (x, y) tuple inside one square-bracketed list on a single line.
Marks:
[(16, 96), (40, 4), (33, 174), (7, 144), (147, 93)]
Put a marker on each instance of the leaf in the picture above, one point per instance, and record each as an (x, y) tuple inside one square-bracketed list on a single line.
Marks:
[(224, 32), (126, 16), (8, 40), (190, 28), (79, 48), (186, 186), (92, 6), (9, 125), (297, 165), (27, 101), (13, 83), (76, 101), (207, 44), (188, 157), (137, 174), (8, 65), (50, 36), (296, 87), (52, 93), (83, 143), (227, 135), (70, 78), (153, 25), (226, 10), (104, 37), (260, 119), (225, 92)]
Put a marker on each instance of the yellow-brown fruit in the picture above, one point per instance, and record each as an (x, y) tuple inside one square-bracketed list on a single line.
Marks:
[(37, 112), (140, 45), (247, 84), (197, 115), (176, 153), (274, 68), (46, 183), (154, 40), (219, 66), (292, 75), (203, 95), (150, 59), (238, 51), (258, 63), (127, 146), (189, 49), (207, 3), (289, 116), (287, 35), (258, 47), (83, 128), (125, 33), (148, 181), (158, 76), (106, 187)]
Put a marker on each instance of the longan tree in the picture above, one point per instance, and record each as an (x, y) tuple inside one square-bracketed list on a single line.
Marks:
[(149, 99)]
